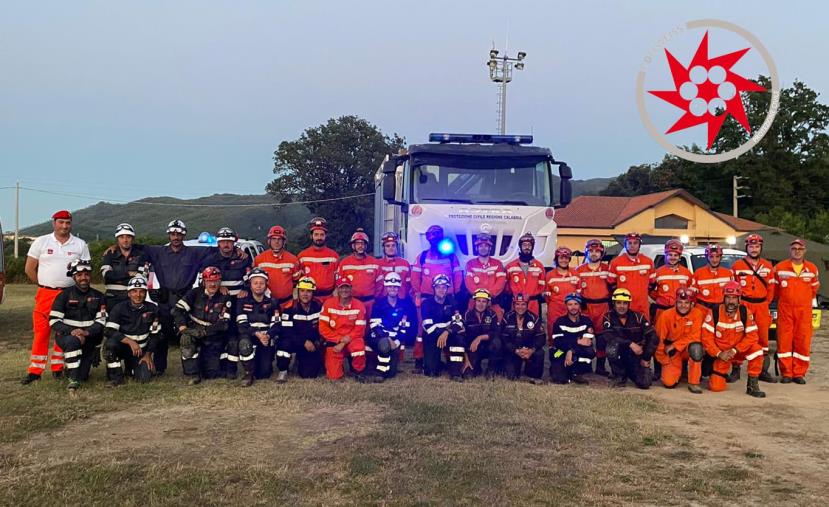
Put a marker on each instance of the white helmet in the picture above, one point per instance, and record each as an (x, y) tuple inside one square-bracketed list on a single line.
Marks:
[(137, 282), (392, 280)]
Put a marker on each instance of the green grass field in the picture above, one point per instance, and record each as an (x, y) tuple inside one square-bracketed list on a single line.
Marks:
[(408, 441)]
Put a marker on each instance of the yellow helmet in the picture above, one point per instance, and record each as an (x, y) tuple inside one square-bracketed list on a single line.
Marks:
[(622, 295), (306, 282), (482, 294)]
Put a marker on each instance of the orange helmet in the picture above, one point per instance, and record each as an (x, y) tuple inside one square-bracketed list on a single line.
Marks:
[(732, 288)]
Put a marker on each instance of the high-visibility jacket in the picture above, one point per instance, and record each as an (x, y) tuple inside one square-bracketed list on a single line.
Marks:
[(397, 265), (491, 276), (678, 330), (636, 275), (531, 284), (321, 265), (796, 290), (337, 321), (730, 332), (709, 283), (558, 285), (427, 267), (757, 282), (362, 273), (283, 271), (668, 280), (593, 282)]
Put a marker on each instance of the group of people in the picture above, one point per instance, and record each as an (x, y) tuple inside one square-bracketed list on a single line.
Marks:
[(226, 308)]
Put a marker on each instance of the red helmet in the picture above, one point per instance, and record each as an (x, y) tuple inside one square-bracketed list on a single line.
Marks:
[(483, 237), (593, 244), (390, 237), (712, 248), (563, 250), (673, 245), (526, 237), (211, 274), (318, 223), (732, 288), (277, 231), (343, 280), (359, 235), (754, 239), (633, 235), (520, 298), (685, 294)]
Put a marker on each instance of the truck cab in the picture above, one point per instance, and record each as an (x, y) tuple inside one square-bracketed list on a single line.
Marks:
[(471, 184)]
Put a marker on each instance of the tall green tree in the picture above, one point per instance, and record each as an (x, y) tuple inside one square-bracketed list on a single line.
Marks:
[(334, 160)]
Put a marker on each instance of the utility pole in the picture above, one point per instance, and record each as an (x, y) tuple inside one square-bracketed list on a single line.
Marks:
[(500, 71), (16, 220), (735, 194)]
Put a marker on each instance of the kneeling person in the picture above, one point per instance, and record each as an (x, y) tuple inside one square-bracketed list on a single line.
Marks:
[(77, 318), (523, 340), (343, 326), (298, 333), (256, 314), (132, 332), (571, 355), (679, 329), (442, 329), (482, 335), (631, 342), (202, 317), (393, 326)]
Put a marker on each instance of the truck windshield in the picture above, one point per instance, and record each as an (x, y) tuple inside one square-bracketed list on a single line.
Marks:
[(523, 186)]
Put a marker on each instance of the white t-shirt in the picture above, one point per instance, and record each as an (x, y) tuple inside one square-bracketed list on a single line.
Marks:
[(53, 257)]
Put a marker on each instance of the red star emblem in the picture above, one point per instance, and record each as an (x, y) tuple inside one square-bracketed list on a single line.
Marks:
[(707, 90)]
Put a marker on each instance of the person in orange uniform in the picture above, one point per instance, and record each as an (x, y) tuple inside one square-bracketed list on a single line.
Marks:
[(282, 267), (729, 335), (361, 269), (487, 273), (46, 265), (342, 325), (595, 293), (797, 285), (561, 281), (756, 277), (710, 279), (633, 271), (526, 275), (669, 278), (391, 261), (679, 330), (318, 261)]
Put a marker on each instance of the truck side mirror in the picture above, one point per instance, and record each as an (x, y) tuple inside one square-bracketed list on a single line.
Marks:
[(565, 186), (388, 187)]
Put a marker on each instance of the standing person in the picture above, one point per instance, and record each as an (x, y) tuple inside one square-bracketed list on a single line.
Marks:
[(393, 326), (343, 327), (633, 272), (488, 273), (756, 277), (442, 329), (561, 282), (797, 285), (526, 275), (710, 279), (670, 277), (77, 317), (256, 315), (729, 335), (482, 335), (631, 342), (679, 330), (595, 292), (571, 352), (131, 332), (282, 267), (522, 334), (361, 268), (392, 262), (46, 266), (298, 333), (120, 266), (318, 261)]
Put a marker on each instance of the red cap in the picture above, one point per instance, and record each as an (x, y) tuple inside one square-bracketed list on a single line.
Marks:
[(62, 215), (732, 288), (798, 241)]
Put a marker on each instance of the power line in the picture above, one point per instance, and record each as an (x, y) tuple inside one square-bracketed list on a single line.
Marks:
[(183, 205)]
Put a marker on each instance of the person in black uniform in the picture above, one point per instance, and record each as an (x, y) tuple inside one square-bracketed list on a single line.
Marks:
[(571, 355), (131, 332), (298, 333), (442, 329), (77, 317), (256, 314), (119, 266), (392, 327), (482, 335), (523, 336), (631, 342)]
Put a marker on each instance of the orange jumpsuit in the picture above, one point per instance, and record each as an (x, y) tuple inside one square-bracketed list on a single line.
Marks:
[(426, 268), (756, 294), (595, 291), (363, 275), (337, 321), (283, 270), (44, 299), (558, 286), (708, 284), (681, 331), (491, 276), (636, 275), (321, 265), (531, 284), (794, 316), (397, 265), (730, 333), (668, 280)]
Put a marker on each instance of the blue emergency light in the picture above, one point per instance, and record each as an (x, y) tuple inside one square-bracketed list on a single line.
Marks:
[(446, 246), (480, 138), (206, 237)]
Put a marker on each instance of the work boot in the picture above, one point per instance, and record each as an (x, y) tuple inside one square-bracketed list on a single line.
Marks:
[(694, 388), (578, 379), (114, 383), (418, 367), (490, 374), (282, 377), (73, 387), (31, 377), (57, 375), (194, 381), (734, 376), (786, 380), (753, 388), (375, 379), (799, 380), (536, 382), (601, 369), (457, 378), (247, 380), (765, 376), (231, 374), (622, 382)]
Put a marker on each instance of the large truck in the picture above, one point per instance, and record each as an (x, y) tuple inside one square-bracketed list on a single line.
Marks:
[(471, 184)]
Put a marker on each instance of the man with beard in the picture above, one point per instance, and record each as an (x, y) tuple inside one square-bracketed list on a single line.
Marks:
[(482, 335), (561, 282), (710, 279), (571, 352), (343, 327), (595, 292), (525, 275), (523, 340), (487, 273), (282, 267), (631, 342), (132, 331), (318, 261)]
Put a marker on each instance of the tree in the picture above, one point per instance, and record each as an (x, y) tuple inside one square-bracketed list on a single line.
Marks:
[(334, 160)]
